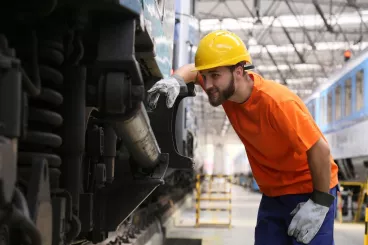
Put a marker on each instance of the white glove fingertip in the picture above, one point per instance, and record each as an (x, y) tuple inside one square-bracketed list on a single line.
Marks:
[(169, 103), (307, 239), (301, 236), (291, 231), (292, 227)]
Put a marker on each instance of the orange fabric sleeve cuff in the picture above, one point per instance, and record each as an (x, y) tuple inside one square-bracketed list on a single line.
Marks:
[(297, 125), (199, 80)]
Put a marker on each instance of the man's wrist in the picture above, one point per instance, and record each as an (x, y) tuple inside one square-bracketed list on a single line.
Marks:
[(180, 79), (322, 198), (181, 82)]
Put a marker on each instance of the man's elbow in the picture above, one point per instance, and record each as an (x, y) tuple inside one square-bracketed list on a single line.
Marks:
[(320, 150)]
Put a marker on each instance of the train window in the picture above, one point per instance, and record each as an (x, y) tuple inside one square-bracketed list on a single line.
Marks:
[(313, 109), (338, 103), (322, 110), (329, 107), (348, 101), (359, 90)]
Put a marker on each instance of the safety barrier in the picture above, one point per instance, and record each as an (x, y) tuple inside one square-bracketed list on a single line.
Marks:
[(209, 179), (353, 191), (366, 217), (361, 197)]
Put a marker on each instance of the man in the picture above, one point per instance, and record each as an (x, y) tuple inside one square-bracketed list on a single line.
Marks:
[(289, 156)]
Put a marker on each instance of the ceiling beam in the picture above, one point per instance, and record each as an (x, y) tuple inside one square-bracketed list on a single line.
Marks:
[(292, 43), (275, 63), (324, 3)]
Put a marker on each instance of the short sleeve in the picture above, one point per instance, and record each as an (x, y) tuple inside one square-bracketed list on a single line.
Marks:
[(292, 121)]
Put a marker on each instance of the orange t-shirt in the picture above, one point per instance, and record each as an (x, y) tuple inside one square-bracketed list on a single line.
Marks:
[(276, 129)]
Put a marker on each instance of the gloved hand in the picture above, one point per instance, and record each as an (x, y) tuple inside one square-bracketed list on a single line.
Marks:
[(309, 216), (168, 86)]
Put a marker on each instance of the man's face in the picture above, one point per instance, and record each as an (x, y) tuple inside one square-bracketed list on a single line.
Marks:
[(219, 84)]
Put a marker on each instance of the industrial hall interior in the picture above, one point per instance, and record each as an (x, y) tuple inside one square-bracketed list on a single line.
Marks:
[(184, 122)]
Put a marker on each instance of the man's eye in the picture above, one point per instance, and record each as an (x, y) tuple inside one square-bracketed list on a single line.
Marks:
[(215, 75)]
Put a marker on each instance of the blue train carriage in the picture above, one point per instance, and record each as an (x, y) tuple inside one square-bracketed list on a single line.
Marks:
[(159, 21), (341, 110)]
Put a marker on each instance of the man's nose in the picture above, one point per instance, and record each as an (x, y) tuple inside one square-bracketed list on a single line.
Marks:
[(208, 84)]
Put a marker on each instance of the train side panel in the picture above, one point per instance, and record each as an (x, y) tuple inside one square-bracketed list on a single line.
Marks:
[(341, 112), (344, 102), (159, 21)]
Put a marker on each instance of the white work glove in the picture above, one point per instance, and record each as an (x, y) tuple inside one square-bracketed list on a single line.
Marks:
[(309, 216), (168, 86)]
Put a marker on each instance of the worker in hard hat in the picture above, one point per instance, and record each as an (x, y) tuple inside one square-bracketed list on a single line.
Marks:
[(288, 154)]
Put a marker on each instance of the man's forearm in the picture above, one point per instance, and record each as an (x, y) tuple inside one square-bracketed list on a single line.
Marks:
[(320, 166), (187, 73), (321, 174)]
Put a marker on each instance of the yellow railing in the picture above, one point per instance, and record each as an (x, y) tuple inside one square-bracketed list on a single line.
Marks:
[(363, 192), (366, 217), (360, 201), (209, 191)]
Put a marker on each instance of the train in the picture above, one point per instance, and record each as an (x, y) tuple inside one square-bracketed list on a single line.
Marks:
[(340, 109), (81, 154)]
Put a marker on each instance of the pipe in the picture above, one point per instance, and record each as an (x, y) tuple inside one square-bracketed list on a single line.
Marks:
[(139, 139)]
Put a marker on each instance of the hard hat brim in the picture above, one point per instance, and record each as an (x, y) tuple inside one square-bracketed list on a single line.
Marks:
[(246, 67), (229, 62)]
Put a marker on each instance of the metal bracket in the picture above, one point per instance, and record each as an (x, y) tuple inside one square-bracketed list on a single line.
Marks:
[(161, 168), (155, 175), (163, 121), (113, 204), (116, 53)]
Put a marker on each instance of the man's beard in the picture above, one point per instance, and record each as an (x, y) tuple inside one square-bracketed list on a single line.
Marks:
[(218, 98)]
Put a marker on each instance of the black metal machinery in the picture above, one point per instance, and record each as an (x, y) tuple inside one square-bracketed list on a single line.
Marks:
[(79, 153)]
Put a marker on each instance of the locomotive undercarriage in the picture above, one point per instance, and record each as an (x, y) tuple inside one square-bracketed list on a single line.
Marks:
[(79, 153)]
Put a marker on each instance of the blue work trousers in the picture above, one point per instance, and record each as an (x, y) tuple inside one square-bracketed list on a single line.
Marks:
[(274, 219)]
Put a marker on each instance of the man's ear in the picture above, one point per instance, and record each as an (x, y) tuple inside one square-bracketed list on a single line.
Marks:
[(239, 71)]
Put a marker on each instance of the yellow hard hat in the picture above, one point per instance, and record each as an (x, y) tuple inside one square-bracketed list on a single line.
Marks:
[(220, 48)]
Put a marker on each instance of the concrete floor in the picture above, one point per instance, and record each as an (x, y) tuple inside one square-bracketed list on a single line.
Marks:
[(244, 213)]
